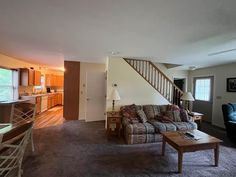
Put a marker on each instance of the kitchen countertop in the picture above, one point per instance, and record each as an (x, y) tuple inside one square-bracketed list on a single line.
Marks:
[(12, 102)]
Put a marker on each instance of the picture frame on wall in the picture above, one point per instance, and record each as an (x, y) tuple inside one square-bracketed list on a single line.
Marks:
[(231, 84)]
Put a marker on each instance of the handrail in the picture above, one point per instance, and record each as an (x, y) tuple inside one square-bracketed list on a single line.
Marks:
[(157, 79)]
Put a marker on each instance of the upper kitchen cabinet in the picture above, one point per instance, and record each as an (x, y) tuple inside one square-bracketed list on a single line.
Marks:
[(60, 81), (54, 80), (30, 77), (26, 77), (37, 78)]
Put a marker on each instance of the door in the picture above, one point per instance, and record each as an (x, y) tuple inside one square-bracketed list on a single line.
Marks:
[(203, 94), (96, 96)]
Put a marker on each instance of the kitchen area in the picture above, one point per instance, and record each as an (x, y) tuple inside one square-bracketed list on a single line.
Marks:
[(40, 86), (44, 90)]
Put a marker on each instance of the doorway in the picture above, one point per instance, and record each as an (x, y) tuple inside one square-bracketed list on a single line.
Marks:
[(96, 96), (180, 83), (203, 94)]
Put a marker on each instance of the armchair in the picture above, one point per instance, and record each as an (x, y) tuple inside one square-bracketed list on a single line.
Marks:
[(229, 114)]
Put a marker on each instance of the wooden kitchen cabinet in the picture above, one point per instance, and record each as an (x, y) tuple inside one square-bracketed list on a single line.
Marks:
[(49, 102), (59, 98), (54, 80), (59, 81), (26, 77), (37, 78), (38, 104), (30, 77)]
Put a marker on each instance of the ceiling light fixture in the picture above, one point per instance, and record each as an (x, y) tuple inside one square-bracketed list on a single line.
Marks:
[(221, 52), (192, 68), (114, 53)]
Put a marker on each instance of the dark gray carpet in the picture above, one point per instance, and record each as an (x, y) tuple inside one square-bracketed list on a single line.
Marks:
[(79, 149)]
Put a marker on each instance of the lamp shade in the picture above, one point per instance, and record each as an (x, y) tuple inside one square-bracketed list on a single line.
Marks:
[(187, 96), (114, 95)]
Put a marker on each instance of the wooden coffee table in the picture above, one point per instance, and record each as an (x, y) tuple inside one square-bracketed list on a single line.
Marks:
[(182, 144)]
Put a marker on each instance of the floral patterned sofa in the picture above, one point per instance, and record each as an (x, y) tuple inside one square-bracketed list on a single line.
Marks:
[(144, 124)]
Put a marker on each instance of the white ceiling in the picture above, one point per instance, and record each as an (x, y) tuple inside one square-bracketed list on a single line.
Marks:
[(168, 31)]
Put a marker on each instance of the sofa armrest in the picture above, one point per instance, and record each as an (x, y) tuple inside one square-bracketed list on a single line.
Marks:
[(125, 121), (190, 118)]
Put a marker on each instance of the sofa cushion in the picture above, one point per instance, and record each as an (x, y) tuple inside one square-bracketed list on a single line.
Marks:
[(173, 107), (163, 127), (151, 111), (163, 108), (142, 116), (184, 115), (185, 125), (143, 138), (140, 128), (129, 111)]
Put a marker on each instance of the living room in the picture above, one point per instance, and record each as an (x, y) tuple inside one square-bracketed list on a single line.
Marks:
[(116, 56)]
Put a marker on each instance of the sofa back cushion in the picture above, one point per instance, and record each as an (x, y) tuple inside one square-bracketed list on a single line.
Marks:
[(151, 111), (142, 116)]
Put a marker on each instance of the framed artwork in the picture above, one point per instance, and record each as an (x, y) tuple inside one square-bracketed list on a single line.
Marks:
[(231, 84)]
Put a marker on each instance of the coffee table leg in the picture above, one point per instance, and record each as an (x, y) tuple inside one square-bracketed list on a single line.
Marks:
[(216, 152), (180, 160), (163, 146)]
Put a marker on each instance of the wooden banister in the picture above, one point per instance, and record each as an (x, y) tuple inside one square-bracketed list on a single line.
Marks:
[(157, 79)]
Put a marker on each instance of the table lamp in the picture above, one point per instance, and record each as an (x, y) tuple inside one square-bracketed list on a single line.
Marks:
[(187, 96), (114, 97)]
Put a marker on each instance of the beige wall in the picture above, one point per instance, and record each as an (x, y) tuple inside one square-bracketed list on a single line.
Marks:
[(84, 68), (220, 96), (10, 62), (131, 86)]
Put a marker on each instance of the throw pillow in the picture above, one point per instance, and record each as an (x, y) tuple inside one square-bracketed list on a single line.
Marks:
[(184, 115), (142, 116), (129, 111)]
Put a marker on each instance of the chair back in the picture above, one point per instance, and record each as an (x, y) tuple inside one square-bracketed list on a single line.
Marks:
[(229, 112), (12, 148), (23, 112)]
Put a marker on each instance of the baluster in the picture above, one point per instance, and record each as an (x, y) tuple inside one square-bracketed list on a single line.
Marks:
[(140, 66), (147, 70), (155, 81)]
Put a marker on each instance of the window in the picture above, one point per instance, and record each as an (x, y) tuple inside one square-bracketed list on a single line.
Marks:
[(202, 89), (8, 84)]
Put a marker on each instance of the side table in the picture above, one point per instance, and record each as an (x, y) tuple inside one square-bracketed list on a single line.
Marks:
[(197, 117), (113, 123)]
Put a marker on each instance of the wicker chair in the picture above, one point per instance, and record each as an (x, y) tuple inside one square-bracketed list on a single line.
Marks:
[(12, 148)]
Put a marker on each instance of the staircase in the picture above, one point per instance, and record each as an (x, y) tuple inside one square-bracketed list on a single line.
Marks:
[(157, 79)]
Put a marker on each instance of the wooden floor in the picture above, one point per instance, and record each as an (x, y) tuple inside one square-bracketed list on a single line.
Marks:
[(51, 117)]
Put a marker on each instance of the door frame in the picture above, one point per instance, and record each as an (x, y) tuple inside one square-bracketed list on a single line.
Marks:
[(212, 91), (86, 95), (185, 81)]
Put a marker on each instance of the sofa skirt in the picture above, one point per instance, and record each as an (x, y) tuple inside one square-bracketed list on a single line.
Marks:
[(142, 138)]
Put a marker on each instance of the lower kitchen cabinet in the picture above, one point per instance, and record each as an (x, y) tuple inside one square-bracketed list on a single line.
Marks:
[(38, 104)]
